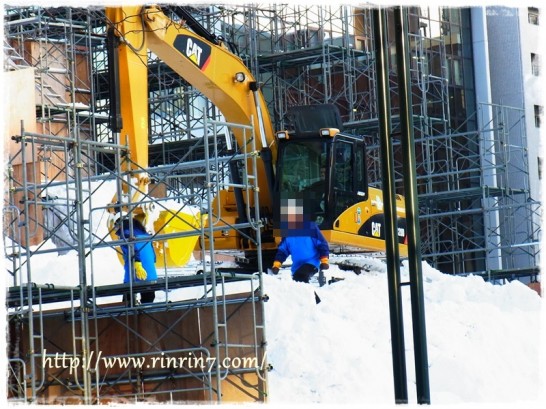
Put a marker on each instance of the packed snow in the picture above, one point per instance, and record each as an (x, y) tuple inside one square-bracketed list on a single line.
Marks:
[(483, 340)]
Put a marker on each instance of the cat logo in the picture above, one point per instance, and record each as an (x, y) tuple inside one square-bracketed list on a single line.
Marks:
[(194, 50)]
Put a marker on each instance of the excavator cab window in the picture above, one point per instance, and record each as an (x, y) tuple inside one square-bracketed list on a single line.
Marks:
[(301, 165), (343, 165), (349, 180), (303, 172)]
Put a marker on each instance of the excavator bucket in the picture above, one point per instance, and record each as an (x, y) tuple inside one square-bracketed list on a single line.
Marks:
[(176, 252)]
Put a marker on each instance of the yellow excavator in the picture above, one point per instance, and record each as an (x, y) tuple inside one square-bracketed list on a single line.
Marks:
[(312, 160)]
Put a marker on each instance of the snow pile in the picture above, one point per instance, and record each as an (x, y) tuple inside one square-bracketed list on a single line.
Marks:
[(483, 340)]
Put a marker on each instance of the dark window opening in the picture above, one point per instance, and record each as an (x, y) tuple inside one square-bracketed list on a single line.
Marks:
[(535, 64), (538, 115), (533, 15)]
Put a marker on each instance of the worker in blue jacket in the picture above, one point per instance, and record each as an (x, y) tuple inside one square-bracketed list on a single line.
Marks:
[(303, 241), (143, 262)]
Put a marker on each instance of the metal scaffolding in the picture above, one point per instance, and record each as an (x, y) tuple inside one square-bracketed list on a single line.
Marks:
[(57, 173), (33, 308), (311, 55), (476, 212)]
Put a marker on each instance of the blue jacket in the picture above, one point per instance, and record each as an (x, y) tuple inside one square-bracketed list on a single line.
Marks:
[(306, 249), (143, 252)]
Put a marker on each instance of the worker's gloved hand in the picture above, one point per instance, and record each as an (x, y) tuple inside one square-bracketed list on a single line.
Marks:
[(324, 264), (276, 266), (140, 271)]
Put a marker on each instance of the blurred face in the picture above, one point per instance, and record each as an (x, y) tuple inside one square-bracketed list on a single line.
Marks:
[(292, 212), (295, 217)]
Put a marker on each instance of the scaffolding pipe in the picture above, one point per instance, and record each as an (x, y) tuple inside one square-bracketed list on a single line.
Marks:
[(216, 334)]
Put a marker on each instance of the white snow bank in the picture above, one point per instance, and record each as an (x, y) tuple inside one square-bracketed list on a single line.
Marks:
[(483, 340)]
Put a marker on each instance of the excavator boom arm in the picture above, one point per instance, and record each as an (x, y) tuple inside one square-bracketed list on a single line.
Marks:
[(212, 69), (209, 67)]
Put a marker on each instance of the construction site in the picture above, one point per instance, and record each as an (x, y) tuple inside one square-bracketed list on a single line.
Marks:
[(477, 214)]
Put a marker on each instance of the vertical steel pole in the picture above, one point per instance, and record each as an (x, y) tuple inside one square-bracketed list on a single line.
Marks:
[(85, 302), (412, 208), (391, 228), (213, 284), (27, 246)]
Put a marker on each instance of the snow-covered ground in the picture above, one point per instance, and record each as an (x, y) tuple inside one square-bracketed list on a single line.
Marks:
[(484, 340)]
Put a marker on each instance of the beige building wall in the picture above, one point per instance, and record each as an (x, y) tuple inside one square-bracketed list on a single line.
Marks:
[(20, 112)]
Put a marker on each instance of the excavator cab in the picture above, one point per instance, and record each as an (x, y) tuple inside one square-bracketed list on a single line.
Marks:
[(320, 165), (326, 169)]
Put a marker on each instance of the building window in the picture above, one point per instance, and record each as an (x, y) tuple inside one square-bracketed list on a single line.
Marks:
[(535, 64), (533, 15), (539, 167), (538, 115)]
